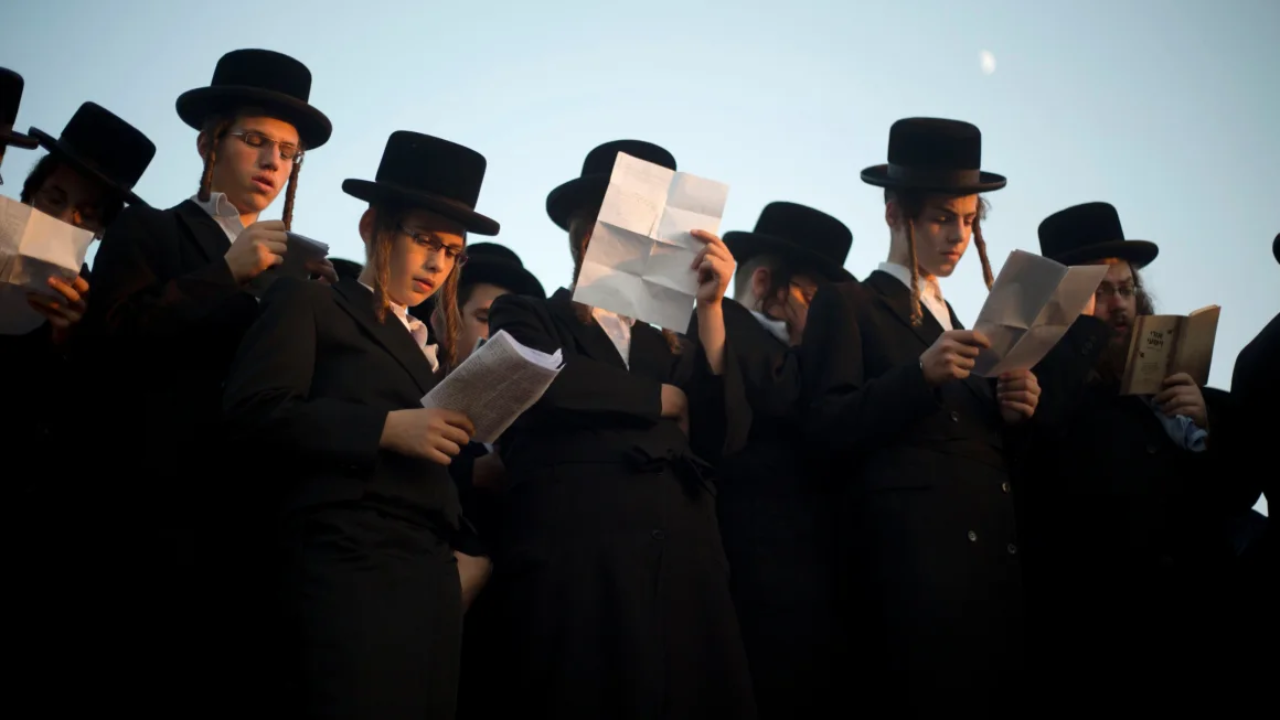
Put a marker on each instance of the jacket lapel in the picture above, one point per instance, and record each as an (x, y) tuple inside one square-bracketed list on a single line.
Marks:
[(896, 298), (208, 234), (592, 340), (391, 334)]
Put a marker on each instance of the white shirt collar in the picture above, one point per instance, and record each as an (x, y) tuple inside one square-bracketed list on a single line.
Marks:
[(223, 212), (930, 295), (431, 350), (776, 328)]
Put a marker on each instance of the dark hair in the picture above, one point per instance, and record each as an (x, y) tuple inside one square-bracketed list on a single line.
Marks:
[(910, 204), (386, 227), (44, 169), (215, 129), (580, 224)]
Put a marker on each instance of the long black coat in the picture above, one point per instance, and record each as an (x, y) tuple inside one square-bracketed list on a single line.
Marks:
[(1130, 558), (613, 578), (371, 602), (929, 546), (777, 523)]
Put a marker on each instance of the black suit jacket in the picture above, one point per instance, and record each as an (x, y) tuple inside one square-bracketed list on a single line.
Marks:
[(165, 318), (311, 388), (597, 409)]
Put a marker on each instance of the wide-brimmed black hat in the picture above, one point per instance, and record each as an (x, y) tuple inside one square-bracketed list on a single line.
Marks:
[(1091, 232), (11, 85), (422, 171), (99, 144), (263, 79), (588, 189), (934, 155), (1275, 247), (499, 265), (811, 239)]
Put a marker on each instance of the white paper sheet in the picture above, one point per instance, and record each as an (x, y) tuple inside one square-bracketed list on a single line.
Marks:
[(638, 261), (299, 251), (495, 384), (1032, 304), (33, 248)]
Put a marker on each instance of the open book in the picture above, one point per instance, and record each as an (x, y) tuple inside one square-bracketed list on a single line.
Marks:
[(498, 382), (1165, 345)]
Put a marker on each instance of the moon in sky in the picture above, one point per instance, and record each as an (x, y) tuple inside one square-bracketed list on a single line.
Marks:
[(987, 61)]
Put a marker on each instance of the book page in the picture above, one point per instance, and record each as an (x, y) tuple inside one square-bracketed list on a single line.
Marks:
[(1195, 347), (1151, 350), (496, 384)]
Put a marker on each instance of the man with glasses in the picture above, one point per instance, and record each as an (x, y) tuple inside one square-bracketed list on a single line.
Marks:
[(171, 303), (1128, 498)]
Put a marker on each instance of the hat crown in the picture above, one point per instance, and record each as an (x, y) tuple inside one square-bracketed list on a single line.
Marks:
[(601, 159), (493, 252), (808, 227), (935, 143), (11, 85), (265, 70), (434, 166), (104, 141), (1079, 227)]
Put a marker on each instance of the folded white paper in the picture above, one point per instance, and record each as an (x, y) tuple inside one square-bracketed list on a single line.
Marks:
[(33, 248)]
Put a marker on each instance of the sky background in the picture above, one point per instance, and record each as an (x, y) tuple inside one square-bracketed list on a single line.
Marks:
[(1167, 109)]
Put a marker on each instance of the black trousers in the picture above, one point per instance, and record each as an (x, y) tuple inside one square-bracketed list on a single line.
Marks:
[(372, 616)]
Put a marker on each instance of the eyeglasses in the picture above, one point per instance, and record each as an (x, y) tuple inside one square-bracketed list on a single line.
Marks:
[(254, 139), (456, 254), (1124, 291)]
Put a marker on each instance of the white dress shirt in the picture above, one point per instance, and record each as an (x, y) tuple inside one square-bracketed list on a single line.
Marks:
[(930, 293), (618, 328)]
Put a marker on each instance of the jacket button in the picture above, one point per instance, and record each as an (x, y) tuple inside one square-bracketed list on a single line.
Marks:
[(658, 535), (1151, 450), (1004, 486), (955, 416), (973, 536), (1013, 549)]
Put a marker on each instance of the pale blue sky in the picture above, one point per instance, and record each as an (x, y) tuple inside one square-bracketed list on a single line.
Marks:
[(1168, 109)]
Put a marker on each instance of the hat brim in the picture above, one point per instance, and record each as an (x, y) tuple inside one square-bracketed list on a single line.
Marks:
[(745, 245), (196, 106), (66, 154), (17, 139), (1275, 248), (1138, 253), (505, 275), (878, 175), (574, 195), (374, 192)]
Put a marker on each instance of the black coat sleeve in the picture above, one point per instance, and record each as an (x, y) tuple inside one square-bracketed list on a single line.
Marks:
[(128, 298), (267, 397), (1065, 370), (846, 410), (586, 392)]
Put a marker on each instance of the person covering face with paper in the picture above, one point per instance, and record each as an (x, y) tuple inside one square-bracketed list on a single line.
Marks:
[(775, 520), (1127, 496), (920, 448), (615, 597), (171, 303)]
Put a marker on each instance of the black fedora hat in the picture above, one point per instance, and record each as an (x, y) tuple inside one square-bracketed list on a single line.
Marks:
[(101, 145), (259, 78), (589, 187), (499, 265), (934, 155), (1091, 232), (427, 172), (11, 85), (1275, 247), (810, 238)]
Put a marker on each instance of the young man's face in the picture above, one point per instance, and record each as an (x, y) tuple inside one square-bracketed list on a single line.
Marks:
[(791, 303), (72, 198), (475, 317), (249, 167), (1116, 301), (942, 231)]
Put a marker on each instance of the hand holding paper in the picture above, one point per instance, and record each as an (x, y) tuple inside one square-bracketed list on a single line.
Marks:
[(34, 248), (640, 262)]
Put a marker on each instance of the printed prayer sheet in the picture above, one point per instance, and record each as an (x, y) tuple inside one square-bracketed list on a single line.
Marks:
[(495, 384), (300, 250), (638, 263), (1032, 304), (33, 248)]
